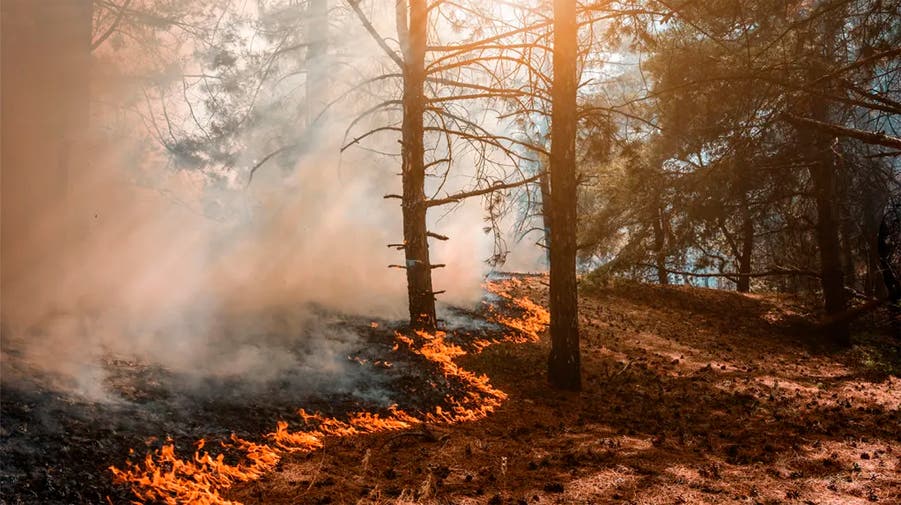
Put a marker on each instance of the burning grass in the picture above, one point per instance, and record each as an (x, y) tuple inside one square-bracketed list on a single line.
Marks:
[(164, 477)]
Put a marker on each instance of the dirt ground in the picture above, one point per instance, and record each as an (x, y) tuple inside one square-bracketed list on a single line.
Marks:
[(690, 396)]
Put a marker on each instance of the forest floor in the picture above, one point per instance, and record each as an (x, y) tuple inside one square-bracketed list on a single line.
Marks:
[(690, 396)]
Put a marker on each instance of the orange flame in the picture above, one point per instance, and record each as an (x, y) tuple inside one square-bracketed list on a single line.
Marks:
[(163, 476)]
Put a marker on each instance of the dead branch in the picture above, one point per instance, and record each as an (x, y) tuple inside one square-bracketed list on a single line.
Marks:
[(487, 138), (497, 186), (866, 137), (497, 93), (368, 134), (259, 164), (372, 110), (355, 88), (355, 5)]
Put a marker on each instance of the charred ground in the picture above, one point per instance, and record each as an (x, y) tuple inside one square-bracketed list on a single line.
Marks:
[(57, 447)]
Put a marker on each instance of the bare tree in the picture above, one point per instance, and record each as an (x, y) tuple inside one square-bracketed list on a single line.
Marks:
[(434, 114)]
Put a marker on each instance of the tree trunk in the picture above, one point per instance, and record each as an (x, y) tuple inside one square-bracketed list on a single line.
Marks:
[(46, 54), (847, 241), (416, 246), (747, 248), (885, 252), (822, 174), (545, 185), (660, 248), (564, 367)]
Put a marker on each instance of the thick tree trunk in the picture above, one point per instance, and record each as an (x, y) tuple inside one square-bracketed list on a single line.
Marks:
[(824, 178), (564, 364), (46, 51), (416, 246), (822, 174)]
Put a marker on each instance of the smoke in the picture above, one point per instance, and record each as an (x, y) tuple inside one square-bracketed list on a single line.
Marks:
[(151, 273), (213, 279)]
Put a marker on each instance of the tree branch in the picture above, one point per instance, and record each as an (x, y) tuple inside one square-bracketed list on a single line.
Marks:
[(112, 27), (775, 270), (355, 5), (872, 138), (498, 186)]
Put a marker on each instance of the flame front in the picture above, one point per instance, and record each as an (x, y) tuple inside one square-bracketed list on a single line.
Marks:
[(164, 477)]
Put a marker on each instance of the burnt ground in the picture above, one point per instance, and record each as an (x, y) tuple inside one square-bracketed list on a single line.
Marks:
[(690, 396), (56, 446)]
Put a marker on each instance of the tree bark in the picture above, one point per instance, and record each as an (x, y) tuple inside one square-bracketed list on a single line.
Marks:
[(832, 281), (819, 143), (849, 267), (660, 248), (564, 364), (416, 246), (743, 285)]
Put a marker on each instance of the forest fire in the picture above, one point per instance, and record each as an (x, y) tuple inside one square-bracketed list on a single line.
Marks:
[(163, 476), (428, 251)]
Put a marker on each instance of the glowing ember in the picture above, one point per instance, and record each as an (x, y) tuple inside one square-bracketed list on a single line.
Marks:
[(162, 476)]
